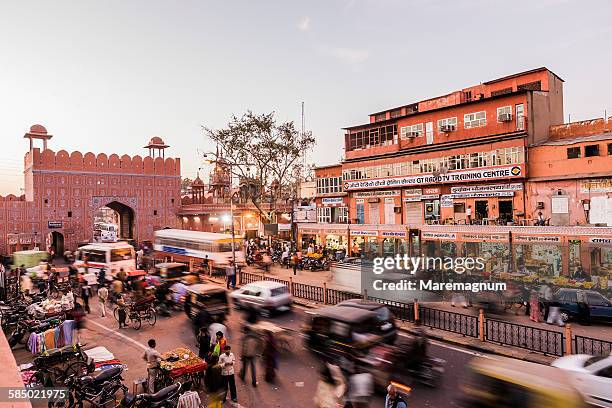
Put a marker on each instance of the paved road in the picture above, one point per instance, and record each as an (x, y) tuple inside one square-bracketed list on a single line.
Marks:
[(297, 374)]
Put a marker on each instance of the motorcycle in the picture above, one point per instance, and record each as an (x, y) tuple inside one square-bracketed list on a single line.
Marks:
[(26, 326), (165, 398), (99, 391)]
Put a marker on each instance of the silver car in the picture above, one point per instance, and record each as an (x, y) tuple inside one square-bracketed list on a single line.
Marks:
[(264, 296)]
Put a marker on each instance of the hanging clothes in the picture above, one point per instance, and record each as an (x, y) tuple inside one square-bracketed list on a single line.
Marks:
[(49, 339), (33, 343), (56, 335), (68, 328)]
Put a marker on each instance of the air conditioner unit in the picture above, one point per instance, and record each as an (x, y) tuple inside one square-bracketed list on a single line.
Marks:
[(504, 117), (414, 134), (447, 128)]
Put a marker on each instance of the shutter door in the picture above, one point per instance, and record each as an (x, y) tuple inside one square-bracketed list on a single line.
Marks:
[(414, 213), (374, 213)]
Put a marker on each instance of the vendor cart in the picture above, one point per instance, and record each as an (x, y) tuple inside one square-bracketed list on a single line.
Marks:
[(180, 365)]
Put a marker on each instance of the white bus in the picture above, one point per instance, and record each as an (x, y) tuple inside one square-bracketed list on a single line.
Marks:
[(183, 244), (103, 232), (111, 256)]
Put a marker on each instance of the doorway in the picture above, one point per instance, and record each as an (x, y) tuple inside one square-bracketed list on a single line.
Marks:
[(505, 211), (482, 209), (57, 243)]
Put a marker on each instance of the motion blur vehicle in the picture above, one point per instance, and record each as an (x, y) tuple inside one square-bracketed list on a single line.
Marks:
[(569, 302), (592, 376), (510, 383), (266, 297), (208, 298), (341, 334), (387, 328), (112, 257)]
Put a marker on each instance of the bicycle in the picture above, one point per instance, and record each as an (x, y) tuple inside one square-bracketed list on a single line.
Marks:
[(136, 313)]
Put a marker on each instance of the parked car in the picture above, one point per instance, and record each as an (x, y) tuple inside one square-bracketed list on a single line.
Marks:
[(386, 328), (592, 376), (573, 304), (206, 298), (266, 297), (341, 334)]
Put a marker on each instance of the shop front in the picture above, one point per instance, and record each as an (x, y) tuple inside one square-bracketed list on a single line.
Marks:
[(365, 243), (493, 249), (421, 205)]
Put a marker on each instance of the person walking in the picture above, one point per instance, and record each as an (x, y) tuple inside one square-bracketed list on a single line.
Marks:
[(250, 345), (122, 314), (213, 380), (294, 263), (85, 294), (226, 361), (329, 391), (393, 399), (204, 343), (230, 277), (152, 357), (270, 356), (102, 298)]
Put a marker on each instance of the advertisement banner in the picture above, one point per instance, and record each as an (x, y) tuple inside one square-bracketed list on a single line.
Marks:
[(331, 200), (484, 195), (474, 237), (600, 240), (492, 173), (487, 188), (439, 235), (413, 192), (370, 194), (597, 186), (540, 239), (446, 201), (365, 233), (396, 234), (422, 197)]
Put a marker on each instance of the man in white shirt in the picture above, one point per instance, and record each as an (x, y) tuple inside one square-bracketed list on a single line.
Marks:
[(152, 357), (226, 361), (468, 215)]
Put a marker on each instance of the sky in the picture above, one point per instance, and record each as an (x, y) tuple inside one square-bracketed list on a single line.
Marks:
[(106, 76)]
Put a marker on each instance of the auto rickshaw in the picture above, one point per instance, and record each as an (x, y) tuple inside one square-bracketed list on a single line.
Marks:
[(509, 383)]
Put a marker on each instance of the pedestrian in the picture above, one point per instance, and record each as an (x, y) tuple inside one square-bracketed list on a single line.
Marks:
[(393, 399), (121, 311), (101, 276), (78, 315), (220, 344), (213, 380), (85, 294), (250, 345), (294, 263), (226, 361), (270, 356), (204, 343), (329, 390), (102, 298), (152, 357), (468, 215), (230, 275), (534, 306), (360, 389)]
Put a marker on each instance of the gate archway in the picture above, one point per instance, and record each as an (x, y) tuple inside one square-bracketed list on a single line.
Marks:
[(123, 216)]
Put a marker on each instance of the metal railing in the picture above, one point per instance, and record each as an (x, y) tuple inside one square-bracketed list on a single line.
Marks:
[(463, 324), (401, 311), (588, 345), (308, 292), (336, 296), (527, 337)]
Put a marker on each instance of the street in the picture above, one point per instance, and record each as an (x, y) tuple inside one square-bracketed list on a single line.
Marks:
[(298, 371)]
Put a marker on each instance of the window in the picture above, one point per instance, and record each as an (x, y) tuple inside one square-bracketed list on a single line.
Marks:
[(504, 110), (371, 137), (591, 150), (69, 214), (342, 214), (447, 124), (520, 117), (360, 213), (329, 185), (609, 149), (467, 95), (123, 254), (459, 208), (595, 299), (396, 113), (476, 119), (531, 86), (380, 116), (502, 91), (154, 212), (411, 131), (324, 215), (573, 152)]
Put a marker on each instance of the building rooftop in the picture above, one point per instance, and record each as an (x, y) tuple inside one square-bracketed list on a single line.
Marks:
[(580, 139)]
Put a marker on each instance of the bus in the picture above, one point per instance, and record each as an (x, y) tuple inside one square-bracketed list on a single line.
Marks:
[(103, 232), (111, 256), (182, 245)]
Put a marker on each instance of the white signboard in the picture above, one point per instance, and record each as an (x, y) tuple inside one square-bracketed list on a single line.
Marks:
[(446, 201), (536, 238), (593, 240), (368, 194), (484, 195), (365, 233), (439, 235), (331, 200), (487, 188), (412, 192), (397, 234), (451, 177), (560, 205), (422, 197), (597, 186)]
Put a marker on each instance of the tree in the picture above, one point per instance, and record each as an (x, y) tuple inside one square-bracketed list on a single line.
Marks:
[(186, 185), (263, 154)]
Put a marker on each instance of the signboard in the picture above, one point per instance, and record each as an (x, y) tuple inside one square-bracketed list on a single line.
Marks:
[(359, 201), (309, 231), (422, 197), (331, 200), (484, 195), (536, 239), (560, 204), (412, 192), (412, 199), (389, 200), (13, 239), (431, 190), (451, 177), (396, 234), (446, 201), (367, 194), (439, 235), (54, 224), (597, 186), (487, 188), (306, 214), (365, 233), (270, 229), (484, 237), (594, 240), (284, 227)]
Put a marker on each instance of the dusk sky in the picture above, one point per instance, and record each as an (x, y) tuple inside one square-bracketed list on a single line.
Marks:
[(106, 76)]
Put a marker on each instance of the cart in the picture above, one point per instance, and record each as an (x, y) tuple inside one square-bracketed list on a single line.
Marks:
[(180, 365), (283, 336)]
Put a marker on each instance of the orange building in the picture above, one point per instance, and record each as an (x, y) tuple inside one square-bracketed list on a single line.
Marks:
[(63, 191)]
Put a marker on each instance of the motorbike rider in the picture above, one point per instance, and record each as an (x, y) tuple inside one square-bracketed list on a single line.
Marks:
[(417, 352)]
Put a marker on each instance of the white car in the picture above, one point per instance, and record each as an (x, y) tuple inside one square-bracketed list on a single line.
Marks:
[(264, 296), (592, 376)]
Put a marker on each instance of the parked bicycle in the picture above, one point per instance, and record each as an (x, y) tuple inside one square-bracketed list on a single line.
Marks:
[(137, 312)]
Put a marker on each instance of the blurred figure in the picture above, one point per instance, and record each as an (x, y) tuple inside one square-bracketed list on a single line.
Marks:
[(534, 306), (250, 345), (213, 382), (85, 294), (393, 399), (204, 343), (230, 275), (360, 389), (102, 298), (330, 389), (270, 357)]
